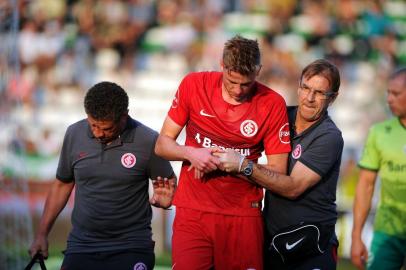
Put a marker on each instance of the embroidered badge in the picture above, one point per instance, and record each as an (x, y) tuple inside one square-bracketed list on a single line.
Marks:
[(297, 152), (128, 160), (284, 134), (140, 266), (248, 128), (82, 155)]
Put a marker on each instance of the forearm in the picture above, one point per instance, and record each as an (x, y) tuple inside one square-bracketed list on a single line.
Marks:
[(281, 184), (362, 206), (169, 149), (54, 204)]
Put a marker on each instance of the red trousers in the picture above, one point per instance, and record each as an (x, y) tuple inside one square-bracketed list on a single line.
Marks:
[(204, 240)]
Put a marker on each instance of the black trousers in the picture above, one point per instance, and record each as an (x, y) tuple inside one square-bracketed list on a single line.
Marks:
[(117, 260)]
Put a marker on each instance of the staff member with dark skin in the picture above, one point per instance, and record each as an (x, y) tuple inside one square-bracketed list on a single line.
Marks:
[(109, 158), (300, 211)]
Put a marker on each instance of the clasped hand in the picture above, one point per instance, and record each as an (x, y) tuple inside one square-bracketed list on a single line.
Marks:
[(230, 160), (227, 160)]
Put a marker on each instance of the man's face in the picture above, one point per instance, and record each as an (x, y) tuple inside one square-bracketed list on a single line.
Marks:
[(396, 96), (236, 87), (105, 130), (314, 97)]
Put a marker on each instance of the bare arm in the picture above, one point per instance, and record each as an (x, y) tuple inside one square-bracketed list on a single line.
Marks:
[(291, 186), (167, 147), (277, 163), (56, 200), (362, 205)]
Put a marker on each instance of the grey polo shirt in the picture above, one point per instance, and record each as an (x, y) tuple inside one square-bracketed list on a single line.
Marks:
[(319, 148), (111, 210)]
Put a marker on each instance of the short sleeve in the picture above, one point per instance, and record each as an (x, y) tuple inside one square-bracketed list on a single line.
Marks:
[(158, 166), (277, 136), (64, 171), (323, 153), (370, 158), (179, 111)]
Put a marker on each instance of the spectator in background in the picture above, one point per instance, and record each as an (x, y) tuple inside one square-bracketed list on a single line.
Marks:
[(300, 210), (109, 157), (218, 220), (384, 154)]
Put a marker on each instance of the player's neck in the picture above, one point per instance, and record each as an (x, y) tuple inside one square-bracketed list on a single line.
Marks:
[(229, 99)]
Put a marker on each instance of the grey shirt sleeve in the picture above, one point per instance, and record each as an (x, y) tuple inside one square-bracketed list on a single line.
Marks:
[(323, 153), (158, 166), (64, 171)]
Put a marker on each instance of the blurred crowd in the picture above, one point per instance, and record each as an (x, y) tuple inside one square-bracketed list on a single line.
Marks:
[(52, 51), (64, 47)]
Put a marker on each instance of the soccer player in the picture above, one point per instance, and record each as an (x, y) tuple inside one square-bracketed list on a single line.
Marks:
[(218, 220), (109, 158), (384, 154)]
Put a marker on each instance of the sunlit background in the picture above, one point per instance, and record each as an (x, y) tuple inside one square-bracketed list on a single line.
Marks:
[(52, 51)]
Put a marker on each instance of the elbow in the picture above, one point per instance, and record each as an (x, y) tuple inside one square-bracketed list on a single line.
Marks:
[(158, 147), (293, 193)]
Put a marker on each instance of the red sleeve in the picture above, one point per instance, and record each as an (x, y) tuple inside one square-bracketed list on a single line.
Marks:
[(179, 111), (277, 137)]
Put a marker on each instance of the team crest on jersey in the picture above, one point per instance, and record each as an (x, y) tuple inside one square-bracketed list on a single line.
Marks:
[(140, 266), (128, 160), (175, 101), (248, 128), (297, 152), (284, 134)]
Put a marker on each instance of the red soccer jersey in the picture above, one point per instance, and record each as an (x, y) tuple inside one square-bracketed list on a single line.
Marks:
[(249, 128)]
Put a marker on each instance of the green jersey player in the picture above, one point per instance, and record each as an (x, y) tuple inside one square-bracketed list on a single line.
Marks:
[(384, 154)]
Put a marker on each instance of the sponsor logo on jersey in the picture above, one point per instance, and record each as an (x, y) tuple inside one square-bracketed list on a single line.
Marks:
[(297, 152), (140, 266), (128, 160), (203, 113), (248, 128), (175, 101), (396, 167), (284, 134), (208, 143)]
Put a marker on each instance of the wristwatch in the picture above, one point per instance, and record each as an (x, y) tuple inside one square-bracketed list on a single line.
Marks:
[(247, 170)]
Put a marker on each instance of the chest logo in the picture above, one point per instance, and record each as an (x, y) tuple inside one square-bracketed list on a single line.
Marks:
[(284, 134), (84, 154), (248, 128), (203, 113), (297, 152), (128, 160)]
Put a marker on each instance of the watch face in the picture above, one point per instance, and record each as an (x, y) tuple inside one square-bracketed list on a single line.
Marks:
[(248, 170)]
